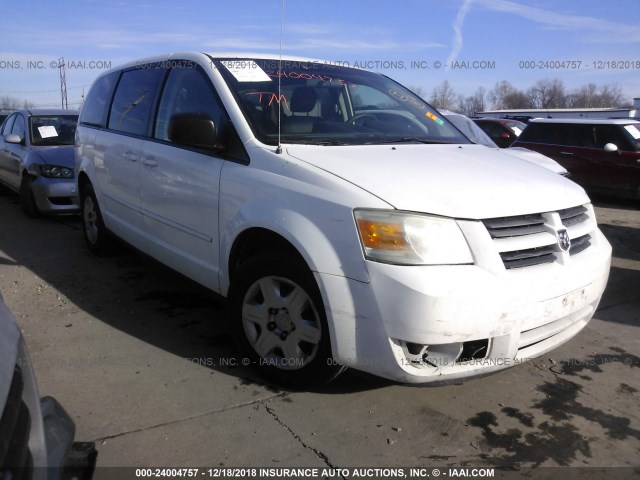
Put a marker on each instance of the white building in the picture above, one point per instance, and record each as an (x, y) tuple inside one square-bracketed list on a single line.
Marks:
[(527, 114)]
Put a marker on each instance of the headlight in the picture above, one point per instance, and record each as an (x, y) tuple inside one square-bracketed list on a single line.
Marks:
[(55, 171), (411, 239)]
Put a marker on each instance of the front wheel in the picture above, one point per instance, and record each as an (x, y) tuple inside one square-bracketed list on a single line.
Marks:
[(95, 232), (279, 322)]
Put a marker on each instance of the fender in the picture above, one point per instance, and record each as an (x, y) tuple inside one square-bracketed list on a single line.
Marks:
[(309, 238)]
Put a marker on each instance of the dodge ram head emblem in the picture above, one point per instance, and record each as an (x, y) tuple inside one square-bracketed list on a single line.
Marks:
[(563, 240)]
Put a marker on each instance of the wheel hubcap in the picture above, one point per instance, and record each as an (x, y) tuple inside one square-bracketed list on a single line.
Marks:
[(90, 220), (281, 323)]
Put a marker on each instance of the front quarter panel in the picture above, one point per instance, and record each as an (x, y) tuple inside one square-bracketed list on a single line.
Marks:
[(310, 208)]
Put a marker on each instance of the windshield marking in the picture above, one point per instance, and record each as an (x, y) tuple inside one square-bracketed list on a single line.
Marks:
[(48, 131)]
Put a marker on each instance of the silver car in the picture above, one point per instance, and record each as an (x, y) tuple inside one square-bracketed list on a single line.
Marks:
[(36, 159), (35, 432)]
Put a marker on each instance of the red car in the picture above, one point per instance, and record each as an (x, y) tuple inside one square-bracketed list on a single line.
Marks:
[(503, 131), (601, 155)]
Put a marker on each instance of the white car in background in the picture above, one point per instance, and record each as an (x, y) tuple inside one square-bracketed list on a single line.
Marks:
[(477, 135)]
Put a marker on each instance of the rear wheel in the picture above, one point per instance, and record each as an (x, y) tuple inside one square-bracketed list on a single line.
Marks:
[(27, 200), (95, 233), (278, 321)]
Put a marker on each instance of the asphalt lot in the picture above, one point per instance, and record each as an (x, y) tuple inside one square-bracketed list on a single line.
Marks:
[(140, 358)]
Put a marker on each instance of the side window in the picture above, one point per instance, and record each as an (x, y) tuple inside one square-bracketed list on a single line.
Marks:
[(540, 133), (9, 124), (612, 134), (187, 91), (133, 100), (18, 126), (580, 136), (96, 106)]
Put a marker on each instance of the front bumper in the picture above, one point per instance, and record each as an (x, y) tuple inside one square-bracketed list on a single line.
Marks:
[(416, 324), (55, 195)]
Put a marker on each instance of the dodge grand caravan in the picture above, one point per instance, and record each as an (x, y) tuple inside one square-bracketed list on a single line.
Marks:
[(346, 221)]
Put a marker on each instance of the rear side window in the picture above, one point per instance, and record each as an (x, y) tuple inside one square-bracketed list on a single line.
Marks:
[(133, 100), (96, 106)]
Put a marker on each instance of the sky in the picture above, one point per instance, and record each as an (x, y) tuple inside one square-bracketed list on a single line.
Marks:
[(420, 43)]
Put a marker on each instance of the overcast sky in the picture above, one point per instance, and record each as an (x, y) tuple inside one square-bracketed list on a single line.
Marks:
[(418, 42)]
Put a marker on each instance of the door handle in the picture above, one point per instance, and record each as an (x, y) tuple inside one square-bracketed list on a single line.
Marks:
[(132, 157), (150, 162)]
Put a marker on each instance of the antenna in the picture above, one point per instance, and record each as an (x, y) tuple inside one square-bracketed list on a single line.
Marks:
[(63, 83), (279, 149)]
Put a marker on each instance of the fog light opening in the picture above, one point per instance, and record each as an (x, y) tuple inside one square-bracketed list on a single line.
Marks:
[(474, 350), (442, 355)]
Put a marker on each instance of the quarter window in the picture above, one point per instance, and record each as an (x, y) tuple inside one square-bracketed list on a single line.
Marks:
[(133, 100)]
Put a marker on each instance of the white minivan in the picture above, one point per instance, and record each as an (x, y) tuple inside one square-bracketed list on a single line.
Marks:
[(346, 221)]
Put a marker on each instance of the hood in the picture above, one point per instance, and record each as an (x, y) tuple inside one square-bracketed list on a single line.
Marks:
[(461, 181), (59, 155), (536, 158)]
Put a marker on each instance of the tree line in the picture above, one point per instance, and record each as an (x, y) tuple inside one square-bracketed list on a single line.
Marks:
[(11, 103), (547, 93)]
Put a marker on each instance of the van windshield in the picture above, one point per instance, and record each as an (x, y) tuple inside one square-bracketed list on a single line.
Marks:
[(324, 104)]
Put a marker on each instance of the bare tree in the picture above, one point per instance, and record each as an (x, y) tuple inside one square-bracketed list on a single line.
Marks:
[(592, 96), (443, 96), (473, 103), (547, 94), (505, 96), (11, 103)]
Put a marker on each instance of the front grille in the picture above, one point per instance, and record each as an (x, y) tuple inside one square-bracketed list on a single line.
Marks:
[(515, 226), (580, 244), (529, 240), (528, 257), (15, 426), (573, 216)]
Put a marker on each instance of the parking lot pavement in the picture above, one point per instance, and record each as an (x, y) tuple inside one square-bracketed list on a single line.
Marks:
[(140, 358)]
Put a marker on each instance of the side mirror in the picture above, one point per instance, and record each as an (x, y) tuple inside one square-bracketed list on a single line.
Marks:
[(611, 147), (193, 130), (13, 138)]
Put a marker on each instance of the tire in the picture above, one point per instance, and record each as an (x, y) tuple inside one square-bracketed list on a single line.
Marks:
[(27, 200), (95, 233), (279, 323)]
